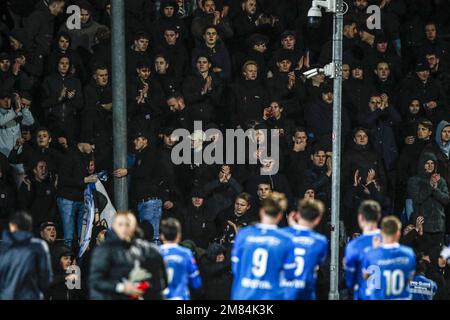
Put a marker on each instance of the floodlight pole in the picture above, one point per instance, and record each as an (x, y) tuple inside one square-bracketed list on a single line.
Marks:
[(336, 165), (119, 101)]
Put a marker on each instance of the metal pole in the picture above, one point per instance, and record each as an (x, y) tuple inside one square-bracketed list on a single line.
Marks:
[(336, 174), (119, 101)]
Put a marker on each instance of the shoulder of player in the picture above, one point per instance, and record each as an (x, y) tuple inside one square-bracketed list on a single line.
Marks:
[(407, 250), (185, 251), (283, 233)]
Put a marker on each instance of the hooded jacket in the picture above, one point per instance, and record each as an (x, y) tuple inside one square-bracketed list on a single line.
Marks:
[(10, 131), (217, 275), (25, 267), (428, 202), (439, 150)]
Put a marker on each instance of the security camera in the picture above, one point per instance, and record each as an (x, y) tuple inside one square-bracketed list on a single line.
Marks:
[(328, 70), (315, 13), (313, 72), (314, 17)]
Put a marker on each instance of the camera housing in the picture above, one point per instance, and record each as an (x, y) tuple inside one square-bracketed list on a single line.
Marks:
[(315, 13), (314, 17)]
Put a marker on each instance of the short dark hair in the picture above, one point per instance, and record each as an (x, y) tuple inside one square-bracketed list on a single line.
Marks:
[(100, 66), (204, 1), (370, 210), (85, 6), (170, 228), (64, 35), (22, 220), (174, 94), (266, 182), (382, 61), (426, 123), (141, 35), (270, 207), (310, 209), (300, 129), (210, 26), (390, 225), (44, 129), (355, 131)]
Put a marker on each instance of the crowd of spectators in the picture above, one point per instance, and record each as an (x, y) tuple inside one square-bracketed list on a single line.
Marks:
[(234, 64)]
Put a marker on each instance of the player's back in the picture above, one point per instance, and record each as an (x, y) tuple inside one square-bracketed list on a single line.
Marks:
[(354, 255), (391, 266), (177, 261), (422, 288), (260, 254), (310, 250)]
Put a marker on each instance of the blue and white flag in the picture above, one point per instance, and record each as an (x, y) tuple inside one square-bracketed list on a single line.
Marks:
[(102, 205)]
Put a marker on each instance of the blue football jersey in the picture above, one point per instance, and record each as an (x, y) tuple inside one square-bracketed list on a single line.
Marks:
[(422, 288), (260, 254), (391, 267), (182, 271), (354, 255), (311, 250)]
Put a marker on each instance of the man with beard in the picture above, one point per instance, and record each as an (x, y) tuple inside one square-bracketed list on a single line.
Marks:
[(208, 15)]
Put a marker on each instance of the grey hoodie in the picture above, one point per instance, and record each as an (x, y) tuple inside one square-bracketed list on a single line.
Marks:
[(428, 202), (444, 147)]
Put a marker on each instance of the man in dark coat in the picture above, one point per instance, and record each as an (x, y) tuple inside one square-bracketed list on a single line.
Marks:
[(97, 117), (40, 24), (427, 90), (248, 97), (62, 101), (74, 174), (200, 224), (123, 264), (148, 181), (25, 266), (203, 91), (215, 49), (37, 195), (430, 195)]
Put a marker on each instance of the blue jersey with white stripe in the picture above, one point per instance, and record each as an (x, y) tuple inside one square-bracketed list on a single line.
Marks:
[(391, 267), (182, 271), (311, 249), (260, 255), (422, 288), (354, 255)]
